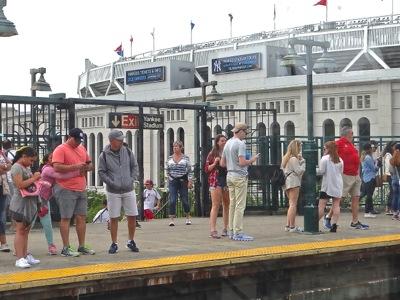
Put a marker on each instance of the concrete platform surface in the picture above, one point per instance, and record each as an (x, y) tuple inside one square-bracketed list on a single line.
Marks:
[(156, 240)]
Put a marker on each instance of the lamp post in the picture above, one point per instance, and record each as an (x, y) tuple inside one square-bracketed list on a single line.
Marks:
[(37, 85), (309, 147), (7, 28), (212, 96)]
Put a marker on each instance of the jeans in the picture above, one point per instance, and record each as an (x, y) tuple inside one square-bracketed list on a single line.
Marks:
[(3, 199), (368, 189), (390, 194), (178, 186), (396, 194)]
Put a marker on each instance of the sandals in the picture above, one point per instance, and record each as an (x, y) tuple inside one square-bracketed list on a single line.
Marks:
[(224, 232), (214, 235)]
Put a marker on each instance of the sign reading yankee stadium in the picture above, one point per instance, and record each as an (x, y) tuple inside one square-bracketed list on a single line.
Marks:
[(145, 75), (238, 63)]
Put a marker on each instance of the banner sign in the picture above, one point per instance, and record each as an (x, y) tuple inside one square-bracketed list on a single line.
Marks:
[(132, 121), (145, 75), (239, 63)]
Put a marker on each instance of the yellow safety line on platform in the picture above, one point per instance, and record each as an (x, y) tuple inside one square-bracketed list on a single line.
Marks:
[(19, 280)]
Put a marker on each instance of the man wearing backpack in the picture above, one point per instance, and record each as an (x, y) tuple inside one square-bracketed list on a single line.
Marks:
[(118, 168)]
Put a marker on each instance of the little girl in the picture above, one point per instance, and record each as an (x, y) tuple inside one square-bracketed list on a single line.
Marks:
[(23, 210), (49, 176)]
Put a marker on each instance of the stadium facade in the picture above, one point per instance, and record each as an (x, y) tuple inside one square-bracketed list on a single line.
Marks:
[(363, 91)]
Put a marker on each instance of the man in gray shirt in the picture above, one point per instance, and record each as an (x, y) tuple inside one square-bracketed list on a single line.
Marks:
[(118, 168), (234, 159)]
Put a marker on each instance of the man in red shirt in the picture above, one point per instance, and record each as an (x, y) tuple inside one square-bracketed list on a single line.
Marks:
[(70, 193), (351, 176)]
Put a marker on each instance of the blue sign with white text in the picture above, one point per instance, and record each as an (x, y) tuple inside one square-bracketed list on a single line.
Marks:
[(145, 75), (239, 63)]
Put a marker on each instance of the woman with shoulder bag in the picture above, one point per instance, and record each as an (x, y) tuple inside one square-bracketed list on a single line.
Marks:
[(293, 165), (179, 172)]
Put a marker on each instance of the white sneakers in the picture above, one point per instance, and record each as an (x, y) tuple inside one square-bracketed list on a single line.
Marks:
[(369, 215), (26, 262)]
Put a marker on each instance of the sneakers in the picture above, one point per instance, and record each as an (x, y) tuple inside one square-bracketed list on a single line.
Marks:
[(31, 260), (69, 251), (52, 250), (171, 223), (369, 215), (131, 245), (4, 248), (188, 222), (224, 232), (327, 222), (113, 248), (22, 263), (86, 250), (333, 228), (287, 228), (395, 217), (242, 237), (296, 229), (359, 225), (138, 225)]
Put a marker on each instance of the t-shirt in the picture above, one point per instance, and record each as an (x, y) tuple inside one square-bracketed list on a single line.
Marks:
[(67, 155), (234, 148), (150, 198), (349, 154)]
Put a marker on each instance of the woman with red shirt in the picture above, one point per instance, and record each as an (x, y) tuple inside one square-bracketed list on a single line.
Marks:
[(218, 188)]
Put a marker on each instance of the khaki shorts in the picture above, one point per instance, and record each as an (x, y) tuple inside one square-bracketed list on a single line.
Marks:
[(351, 185), (117, 201)]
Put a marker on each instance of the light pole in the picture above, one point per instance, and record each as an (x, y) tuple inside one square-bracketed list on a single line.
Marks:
[(7, 28), (212, 96), (309, 146), (37, 85)]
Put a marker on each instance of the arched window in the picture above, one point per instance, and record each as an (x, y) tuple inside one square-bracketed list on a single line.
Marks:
[(289, 130), (136, 141), (181, 135), (129, 139), (217, 130), (99, 150), (228, 130), (261, 129), (364, 130), (328, 130), (84, 142), (209, 139), (92, 147), (346, 123), (170, 140)]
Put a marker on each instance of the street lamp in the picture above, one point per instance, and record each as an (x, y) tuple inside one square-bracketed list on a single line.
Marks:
[(39, 85), (310, 147), (212, 96), (7, 28)]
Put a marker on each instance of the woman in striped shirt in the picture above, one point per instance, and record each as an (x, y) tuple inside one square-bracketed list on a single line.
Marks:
[(179, 172)]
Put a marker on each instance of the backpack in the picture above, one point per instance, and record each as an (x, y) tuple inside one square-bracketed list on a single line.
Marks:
[(279, 178)]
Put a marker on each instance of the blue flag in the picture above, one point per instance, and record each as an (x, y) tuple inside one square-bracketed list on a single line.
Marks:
[(119, 50), (191, 25)]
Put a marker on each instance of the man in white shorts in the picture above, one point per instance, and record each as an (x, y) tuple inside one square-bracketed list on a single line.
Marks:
[(118, 168)]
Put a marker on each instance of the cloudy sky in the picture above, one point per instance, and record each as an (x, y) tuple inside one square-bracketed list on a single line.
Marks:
[(60, 34)]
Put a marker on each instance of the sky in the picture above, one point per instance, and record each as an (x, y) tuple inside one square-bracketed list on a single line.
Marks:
[(60, 34)]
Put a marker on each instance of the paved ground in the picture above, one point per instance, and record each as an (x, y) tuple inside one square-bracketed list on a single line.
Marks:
[(157, 239)]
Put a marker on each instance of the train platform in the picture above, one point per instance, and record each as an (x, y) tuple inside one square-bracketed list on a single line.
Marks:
[(164, 248)]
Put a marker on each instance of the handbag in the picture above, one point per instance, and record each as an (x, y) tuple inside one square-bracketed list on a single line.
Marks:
[(378, 181)]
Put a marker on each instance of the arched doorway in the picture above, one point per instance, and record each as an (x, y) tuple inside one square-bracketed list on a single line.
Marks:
[(99, 150), (181, 135), (170, 140), (289, 130), (228, 130), (345, 123), (92, 149), (364, 131), (217, 130), (129, 139)]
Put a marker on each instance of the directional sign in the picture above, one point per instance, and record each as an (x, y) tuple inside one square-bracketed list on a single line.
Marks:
[(123, 120), (132, 121)]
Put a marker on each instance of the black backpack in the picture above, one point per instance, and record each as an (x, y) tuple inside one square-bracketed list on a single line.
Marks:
[(278, 178)]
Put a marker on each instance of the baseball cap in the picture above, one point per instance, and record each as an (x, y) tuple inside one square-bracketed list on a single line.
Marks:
[(76, 133), (239, 126), (116, 135), (148, 181)]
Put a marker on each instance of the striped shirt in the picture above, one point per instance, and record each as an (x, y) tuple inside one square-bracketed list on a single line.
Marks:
[(180, 168)]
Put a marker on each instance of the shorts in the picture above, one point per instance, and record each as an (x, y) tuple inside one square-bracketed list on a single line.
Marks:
[(324, 196), (221, 182), (126, 200), (351, 185), (148, 214), (70, 203)]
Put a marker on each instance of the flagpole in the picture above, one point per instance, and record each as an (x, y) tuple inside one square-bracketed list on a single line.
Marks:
[(131, 40), (274, 16), (191, 33), (392, 11), (326, 13), (230, 21), (154, 43)]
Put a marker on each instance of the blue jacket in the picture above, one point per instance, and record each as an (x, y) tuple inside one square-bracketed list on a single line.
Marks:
[(369, 169)]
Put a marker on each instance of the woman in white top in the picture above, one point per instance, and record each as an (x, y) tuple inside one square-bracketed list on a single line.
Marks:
[(293, 165), (387, 156), (331, 169)]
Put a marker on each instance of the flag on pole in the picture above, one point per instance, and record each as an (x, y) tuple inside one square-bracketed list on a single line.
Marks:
[(274, 12), (191, 25), (230, 17), (119, 50), (322, 2), (131, 39)]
